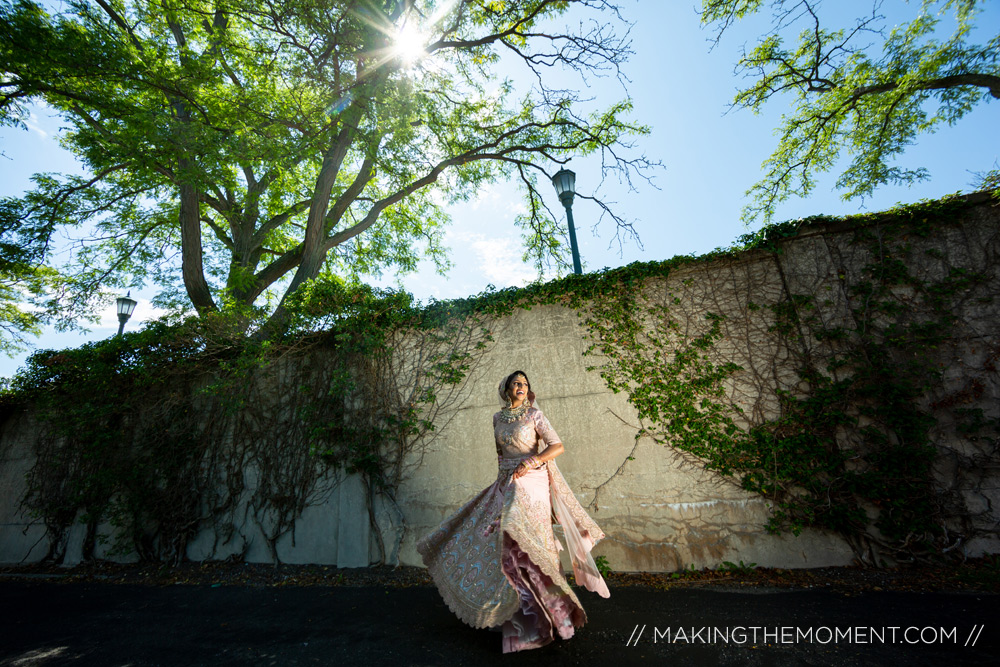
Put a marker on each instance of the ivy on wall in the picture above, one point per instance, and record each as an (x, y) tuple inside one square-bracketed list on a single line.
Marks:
[(850, 448), (175, 427), (853, 449), (165, 430)]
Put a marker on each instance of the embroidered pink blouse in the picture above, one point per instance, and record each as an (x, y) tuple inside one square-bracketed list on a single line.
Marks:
[(519, 439)]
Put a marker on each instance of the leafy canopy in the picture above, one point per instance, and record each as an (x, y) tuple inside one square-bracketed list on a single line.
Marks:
[(242, 149), (868, 90)]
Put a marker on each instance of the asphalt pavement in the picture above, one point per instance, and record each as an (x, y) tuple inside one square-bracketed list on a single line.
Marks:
[(49, 623)]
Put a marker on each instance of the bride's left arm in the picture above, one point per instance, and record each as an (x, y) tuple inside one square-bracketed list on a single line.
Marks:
[(550, 452), (548, 435)]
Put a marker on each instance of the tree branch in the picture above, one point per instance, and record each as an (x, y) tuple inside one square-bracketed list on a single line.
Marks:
[(988, 81)]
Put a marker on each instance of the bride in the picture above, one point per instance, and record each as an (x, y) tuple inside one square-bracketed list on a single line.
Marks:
[(496, 560)]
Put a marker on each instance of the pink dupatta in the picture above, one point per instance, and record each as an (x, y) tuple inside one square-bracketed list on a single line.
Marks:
[(581, 533)]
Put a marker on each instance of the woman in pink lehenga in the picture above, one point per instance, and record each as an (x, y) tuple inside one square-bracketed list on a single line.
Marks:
[(496, 560)]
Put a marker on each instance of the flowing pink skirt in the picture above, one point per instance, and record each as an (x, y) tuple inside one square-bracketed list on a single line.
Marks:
[(496, 560)]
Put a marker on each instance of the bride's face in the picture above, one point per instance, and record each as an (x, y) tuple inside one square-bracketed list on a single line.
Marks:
[(517, 389)]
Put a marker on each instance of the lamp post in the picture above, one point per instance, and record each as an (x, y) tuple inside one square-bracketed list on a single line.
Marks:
[(565, 184), (125, 307)]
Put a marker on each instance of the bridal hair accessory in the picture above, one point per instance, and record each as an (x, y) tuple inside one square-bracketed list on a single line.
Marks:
[(502, 389)]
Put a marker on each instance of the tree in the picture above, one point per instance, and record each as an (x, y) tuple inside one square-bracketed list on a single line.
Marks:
[(849, 97), (261, 145), (21, 277)]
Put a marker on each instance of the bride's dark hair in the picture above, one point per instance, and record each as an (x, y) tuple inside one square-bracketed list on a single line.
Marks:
[(510, 378)]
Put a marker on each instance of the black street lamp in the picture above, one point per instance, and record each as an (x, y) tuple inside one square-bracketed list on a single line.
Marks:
[(565, 184), (125, 307)]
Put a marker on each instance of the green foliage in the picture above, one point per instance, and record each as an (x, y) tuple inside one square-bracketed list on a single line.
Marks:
[(603, 566), (108, 451), (684, 572), (130, 423), (241, 151), (868, 90), (741, 568), (851, 449), (156, 432), (22, 277)]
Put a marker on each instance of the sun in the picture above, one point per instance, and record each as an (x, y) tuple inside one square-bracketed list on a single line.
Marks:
[(408, 45)]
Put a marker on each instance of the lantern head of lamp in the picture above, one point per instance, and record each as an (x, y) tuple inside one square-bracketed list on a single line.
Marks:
[(125, 307), (564, 181)]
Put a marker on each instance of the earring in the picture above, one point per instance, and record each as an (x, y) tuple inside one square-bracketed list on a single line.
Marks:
[(507, 401)]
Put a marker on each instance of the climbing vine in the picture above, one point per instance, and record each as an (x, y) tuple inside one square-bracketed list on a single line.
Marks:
[(849, 445), (163, 432), (853, 448), (827, 397), (846, 442)]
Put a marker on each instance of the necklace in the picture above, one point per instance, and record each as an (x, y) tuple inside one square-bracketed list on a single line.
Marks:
[(511, 415)]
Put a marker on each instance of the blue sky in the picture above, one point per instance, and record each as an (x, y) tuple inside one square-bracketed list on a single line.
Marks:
[(681, 88)]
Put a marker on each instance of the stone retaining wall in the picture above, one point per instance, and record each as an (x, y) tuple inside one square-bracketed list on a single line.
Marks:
[(661, 510)]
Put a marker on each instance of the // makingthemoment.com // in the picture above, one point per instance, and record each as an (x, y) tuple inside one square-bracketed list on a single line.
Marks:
[(824, 634)]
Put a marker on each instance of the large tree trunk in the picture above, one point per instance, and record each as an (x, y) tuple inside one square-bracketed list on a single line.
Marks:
[(191, 252), (314, 243)]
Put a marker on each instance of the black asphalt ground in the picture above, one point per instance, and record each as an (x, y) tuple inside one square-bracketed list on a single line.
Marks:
[(46, 623)]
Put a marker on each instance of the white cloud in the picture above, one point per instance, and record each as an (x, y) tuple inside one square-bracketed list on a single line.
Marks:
[(487, 195), (500, 260), (32, 124)]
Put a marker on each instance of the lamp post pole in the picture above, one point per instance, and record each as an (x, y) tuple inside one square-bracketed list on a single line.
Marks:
[(572, 234), (125, 307), (565, 184)]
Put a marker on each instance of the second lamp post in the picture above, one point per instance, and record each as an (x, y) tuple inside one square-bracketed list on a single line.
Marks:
[(565, 184), (126, 304)]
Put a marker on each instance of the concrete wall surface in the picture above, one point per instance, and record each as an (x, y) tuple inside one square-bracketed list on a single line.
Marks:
[(660, 509)]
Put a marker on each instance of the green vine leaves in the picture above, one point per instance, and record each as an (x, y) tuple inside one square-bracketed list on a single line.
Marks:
[(164, 432), (841, 369)]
